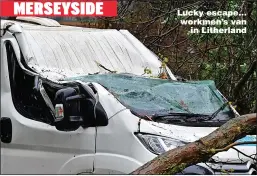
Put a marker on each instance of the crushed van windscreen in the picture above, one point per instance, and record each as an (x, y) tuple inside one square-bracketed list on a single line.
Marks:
[(148, 97)]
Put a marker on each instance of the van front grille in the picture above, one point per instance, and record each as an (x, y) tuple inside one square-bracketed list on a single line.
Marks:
[(247, 168)]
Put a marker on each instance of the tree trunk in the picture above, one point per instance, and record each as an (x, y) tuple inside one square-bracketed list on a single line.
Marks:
[(176, 160), (245, 78)]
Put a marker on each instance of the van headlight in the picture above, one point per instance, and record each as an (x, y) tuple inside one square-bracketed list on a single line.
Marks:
[(159, 144)]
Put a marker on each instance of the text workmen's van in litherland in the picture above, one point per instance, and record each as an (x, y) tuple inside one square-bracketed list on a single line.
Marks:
[(79, 101)]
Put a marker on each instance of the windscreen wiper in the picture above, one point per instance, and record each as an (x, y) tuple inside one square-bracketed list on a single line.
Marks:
[(218, 111), (186, 117), (189, 117)]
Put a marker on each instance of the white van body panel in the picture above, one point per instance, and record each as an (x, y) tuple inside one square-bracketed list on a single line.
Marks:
[(111, 105), (118, 141), (188, 134), (36, 147), (106, 163)]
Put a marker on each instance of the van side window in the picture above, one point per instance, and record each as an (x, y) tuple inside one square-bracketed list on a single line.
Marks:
[(24, 97)]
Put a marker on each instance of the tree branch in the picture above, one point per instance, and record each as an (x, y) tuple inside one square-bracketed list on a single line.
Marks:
[(245, 78), (234, 144)]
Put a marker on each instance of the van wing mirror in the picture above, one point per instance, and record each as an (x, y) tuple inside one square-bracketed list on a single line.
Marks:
[(74, 108)]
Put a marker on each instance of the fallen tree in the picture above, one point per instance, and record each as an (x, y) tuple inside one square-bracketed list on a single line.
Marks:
[(222, 139)]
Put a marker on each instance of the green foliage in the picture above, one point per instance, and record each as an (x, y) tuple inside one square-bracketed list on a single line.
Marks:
[(163, 58), (147, 71), (213, 70), (243, 68), (231, 56)]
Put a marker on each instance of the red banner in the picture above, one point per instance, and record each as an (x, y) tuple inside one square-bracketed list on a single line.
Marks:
[(59, 8)]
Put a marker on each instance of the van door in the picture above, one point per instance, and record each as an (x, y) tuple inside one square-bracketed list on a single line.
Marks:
[(29, 145)]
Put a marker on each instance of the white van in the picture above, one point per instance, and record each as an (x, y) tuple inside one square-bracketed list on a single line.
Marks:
[(78, 101)]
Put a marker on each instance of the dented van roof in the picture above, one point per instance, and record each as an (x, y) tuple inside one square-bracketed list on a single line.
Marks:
[(58, 52)]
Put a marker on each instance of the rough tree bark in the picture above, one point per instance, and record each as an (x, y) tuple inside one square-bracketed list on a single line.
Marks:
[(176, 160)]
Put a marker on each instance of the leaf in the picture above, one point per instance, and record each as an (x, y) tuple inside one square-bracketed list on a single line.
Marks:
[(243, 68), (147, 71), (165, 60)]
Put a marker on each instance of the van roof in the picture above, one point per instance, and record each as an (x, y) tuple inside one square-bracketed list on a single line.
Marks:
[(59, 51), (30, 21)]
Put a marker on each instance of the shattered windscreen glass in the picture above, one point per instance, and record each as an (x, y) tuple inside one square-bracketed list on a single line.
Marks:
[(157, 96)]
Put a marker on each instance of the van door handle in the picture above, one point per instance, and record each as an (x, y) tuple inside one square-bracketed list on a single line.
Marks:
[(6, 129)]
